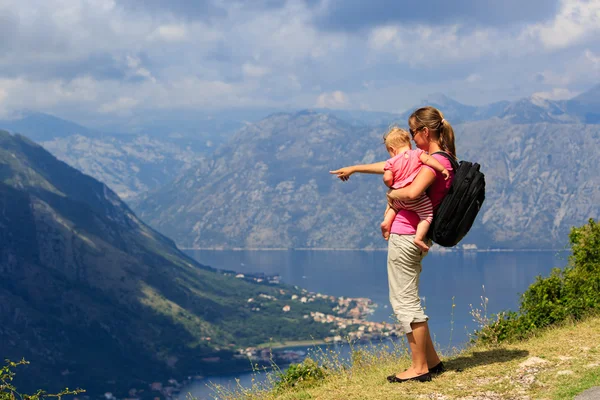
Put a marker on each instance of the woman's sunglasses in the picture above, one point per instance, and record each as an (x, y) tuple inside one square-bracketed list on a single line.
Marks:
[(413, 133)]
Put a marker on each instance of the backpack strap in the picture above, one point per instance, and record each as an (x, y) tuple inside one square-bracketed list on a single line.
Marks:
[(452, 160)]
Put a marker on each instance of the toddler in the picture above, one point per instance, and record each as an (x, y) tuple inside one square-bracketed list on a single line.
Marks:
[(400, 171)]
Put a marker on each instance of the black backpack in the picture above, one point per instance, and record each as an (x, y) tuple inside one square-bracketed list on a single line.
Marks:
[(457, 211)]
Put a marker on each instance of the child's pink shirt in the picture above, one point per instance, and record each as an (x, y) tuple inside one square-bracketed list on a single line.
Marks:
[(404, 166), (406, 221)]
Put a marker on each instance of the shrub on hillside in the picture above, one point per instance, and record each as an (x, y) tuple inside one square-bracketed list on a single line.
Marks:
[(9, 392), (568, 294), (305, 373)]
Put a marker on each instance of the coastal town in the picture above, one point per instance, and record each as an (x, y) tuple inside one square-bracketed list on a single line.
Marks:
[(349, 324), (349, 319)]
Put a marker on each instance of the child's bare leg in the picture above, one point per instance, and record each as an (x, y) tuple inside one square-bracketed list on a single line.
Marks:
[(422, 229), (386, 225)]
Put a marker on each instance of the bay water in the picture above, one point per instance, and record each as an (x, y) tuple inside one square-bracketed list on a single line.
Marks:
[(452, 285)]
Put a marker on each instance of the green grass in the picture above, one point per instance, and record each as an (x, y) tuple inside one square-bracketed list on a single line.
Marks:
[(571, 364), (581, 384)]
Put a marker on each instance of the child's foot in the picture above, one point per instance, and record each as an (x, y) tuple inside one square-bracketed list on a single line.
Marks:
[(385, 231), (421, 244)]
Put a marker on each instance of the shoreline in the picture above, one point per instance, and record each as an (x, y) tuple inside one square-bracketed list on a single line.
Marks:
[(434, 251), (291, 344)]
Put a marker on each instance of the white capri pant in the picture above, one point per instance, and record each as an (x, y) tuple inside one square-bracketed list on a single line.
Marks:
[(404, 269)]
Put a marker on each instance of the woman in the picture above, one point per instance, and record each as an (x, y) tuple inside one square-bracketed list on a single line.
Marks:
[(431, 133)]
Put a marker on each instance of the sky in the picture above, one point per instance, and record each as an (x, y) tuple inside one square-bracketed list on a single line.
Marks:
[(113, 58)]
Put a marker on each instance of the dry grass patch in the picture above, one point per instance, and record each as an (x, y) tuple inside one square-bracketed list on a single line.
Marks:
[(556, 363)]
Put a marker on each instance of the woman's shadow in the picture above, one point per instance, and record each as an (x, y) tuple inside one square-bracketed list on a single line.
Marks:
[(485, 357)]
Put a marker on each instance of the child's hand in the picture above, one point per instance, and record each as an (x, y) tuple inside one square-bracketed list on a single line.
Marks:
[(446, 174), (343, 173)]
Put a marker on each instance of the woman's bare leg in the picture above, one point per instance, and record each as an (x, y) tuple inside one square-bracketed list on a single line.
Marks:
[(433, 358), (417, 340), (423, 352)]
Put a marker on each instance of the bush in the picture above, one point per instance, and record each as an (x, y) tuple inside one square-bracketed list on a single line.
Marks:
[(304, 373), (571, 293), (9, 392)]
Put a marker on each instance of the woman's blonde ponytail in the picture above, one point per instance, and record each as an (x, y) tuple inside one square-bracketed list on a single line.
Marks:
[(440, 129), (446, 137)]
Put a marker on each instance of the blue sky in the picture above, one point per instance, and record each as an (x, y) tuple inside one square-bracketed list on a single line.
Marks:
[(113, 58)]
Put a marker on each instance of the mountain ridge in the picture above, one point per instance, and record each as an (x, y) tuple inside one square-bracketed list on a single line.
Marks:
[(138, 165), (284, 197), (91, 295)]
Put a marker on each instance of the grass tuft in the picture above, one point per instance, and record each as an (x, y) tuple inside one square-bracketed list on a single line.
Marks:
[(556, 363)]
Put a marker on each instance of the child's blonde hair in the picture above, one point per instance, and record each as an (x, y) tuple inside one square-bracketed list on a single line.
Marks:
[(396, 138)]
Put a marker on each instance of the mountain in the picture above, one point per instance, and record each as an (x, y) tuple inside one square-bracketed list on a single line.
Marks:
[(539, 181), (202, 130), (457, 112), (534, 110), (42, 127), (134, 163), (158, 147), (93, 297), (530, 110), (128, 164), (362, 117), (452, 108), (270, 186), (586, 105)]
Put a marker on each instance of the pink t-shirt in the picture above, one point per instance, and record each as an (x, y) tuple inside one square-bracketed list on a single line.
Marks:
[(406, 221), (404, 166)]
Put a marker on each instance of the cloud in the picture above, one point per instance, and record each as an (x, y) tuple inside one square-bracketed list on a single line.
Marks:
[(473, 78), (187, 9), (206, 10), (556, 94), (106, 56), (594, 59), (576, 21), (136, 70), (578, 71), (122, 105), (358, 15), (336, 99), (254, 71), (442, 45), (47, 94), (86, 95), (3, 109), (171, 33)]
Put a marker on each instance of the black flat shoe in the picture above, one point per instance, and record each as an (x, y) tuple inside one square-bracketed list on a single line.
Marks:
[(426, 377), (438, 369)]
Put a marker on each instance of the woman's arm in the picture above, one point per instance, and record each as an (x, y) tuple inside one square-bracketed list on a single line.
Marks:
[(435, 164), (422, 181), (345, 172)]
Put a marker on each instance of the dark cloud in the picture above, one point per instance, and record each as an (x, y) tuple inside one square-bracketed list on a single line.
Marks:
[(9, 28), (355, 15), (188, 9), (201, 9), (100, 66)]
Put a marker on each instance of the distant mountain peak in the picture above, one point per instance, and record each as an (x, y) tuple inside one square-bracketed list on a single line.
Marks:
[(591, 97), (439, 99), (539, 101), (41, 126)]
